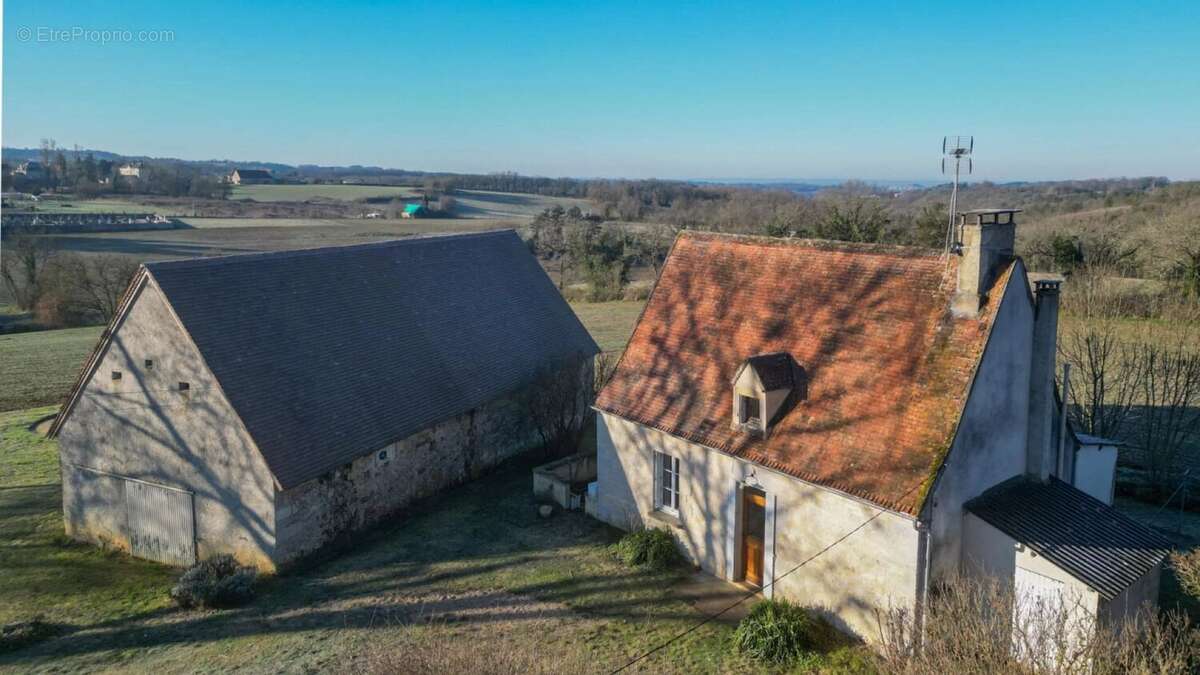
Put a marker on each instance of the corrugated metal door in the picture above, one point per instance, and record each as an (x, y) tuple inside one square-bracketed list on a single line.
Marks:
[(161, 523)]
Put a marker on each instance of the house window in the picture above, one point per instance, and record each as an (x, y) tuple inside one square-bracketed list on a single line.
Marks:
[(666, 483), (750, 410), (149, 364)]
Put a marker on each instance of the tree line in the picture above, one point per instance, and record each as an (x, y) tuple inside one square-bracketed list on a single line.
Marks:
[(62, 288), (85, 176)]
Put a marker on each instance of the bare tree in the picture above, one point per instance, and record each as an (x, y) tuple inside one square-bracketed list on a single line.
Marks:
[(971, 628), (560, 402), (1169, 416), (1108, 368), (95, 285), (24, 267)]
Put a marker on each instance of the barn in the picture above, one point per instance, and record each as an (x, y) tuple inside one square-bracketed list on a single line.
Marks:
[(266, 404)]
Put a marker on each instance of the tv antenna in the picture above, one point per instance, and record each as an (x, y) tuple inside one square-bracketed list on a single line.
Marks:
[(956, 149)]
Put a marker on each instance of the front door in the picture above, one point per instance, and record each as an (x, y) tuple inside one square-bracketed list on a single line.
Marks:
[(754, 525)]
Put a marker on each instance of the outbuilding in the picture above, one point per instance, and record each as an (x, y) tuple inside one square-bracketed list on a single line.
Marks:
[(265, 404)]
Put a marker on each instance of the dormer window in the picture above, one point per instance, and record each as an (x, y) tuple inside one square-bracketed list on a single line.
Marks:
[(751, 411), (764, 388)]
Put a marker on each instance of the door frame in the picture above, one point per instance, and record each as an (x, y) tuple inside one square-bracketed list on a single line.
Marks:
[(749, 494), (735, 566)]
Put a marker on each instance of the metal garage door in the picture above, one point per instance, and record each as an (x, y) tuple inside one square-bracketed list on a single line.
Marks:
[(161, 523)]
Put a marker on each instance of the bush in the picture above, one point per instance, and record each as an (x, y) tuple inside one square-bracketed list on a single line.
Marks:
[(216, 582), (14, 636), (653, 548), (1187, 570), (779, 632)]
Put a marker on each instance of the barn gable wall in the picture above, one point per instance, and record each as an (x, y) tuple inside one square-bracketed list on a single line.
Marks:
[(143, 427)]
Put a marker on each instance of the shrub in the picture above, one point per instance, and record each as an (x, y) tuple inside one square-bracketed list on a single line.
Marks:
[(653, 548), (969, 629), (217, 582), (779, 632), (14, 636), (1187, 570)]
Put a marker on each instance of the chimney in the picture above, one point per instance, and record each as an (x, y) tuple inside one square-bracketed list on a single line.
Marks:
[(1041, 451), (985, 241)]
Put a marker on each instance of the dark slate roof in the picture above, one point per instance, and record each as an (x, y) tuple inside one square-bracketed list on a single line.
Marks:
[(774, 370), (329, 354), (1087, 538), (253, 173)]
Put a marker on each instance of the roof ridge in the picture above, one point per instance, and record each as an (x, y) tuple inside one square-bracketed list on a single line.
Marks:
[(319, 250), (813, 243)]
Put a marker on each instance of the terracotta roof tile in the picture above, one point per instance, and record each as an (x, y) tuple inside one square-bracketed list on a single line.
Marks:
[(888, 368)]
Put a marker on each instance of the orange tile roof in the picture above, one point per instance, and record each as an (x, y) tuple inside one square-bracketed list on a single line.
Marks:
[(888, 367)]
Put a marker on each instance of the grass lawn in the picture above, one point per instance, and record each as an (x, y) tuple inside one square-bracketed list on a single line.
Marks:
[(475, 574), (610, 323), (41, 573), (39, 368)]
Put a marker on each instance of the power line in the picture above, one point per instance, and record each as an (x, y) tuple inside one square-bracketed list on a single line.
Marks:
[(751, 594)]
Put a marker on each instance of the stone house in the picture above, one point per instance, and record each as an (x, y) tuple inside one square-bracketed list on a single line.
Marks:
[(265, 404), (895, 405)]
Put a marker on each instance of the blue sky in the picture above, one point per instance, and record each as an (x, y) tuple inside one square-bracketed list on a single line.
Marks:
[(634, 89)]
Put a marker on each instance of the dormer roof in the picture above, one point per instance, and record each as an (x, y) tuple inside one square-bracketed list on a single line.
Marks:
[(774, 370)]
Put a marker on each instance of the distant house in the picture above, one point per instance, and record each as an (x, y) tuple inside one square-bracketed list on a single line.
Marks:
[(264, 404), (31, 170), (779, 397), (130, 170), (250, 177), (414, 211)]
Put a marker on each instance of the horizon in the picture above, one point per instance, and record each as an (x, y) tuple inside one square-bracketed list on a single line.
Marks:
[(728, 181), (770, 94)]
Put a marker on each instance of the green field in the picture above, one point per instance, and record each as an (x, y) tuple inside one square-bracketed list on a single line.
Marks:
[(301, 193), (39, 368), (471, 203), (114, 205)]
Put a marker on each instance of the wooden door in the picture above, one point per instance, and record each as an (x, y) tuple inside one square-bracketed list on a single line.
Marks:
[(754, 521)]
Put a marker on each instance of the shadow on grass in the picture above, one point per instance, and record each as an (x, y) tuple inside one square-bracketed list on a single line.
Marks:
[(484, 540)]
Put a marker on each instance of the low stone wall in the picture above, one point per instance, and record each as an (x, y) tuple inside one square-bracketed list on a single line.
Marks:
[(554, 481), (363, 492)]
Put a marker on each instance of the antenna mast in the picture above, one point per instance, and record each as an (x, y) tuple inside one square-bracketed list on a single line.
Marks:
[(956, 149)]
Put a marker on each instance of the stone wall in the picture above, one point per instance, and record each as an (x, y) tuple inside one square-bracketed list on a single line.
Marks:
[(363, 492), (142, 426)]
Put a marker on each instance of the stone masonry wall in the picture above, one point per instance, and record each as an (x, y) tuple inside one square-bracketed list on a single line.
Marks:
[(363, 492)]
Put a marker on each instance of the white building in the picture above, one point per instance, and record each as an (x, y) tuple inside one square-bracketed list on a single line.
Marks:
[(841, 424)]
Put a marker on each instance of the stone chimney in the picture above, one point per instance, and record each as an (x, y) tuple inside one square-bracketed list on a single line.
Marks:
[(985, 242), (1041, 450)]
